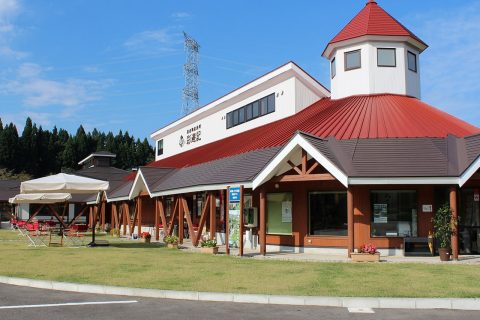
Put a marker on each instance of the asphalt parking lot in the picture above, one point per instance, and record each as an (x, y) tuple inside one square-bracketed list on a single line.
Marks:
[(32, 304)]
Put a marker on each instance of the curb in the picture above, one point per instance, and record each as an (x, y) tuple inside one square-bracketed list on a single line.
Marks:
[(345, 302)]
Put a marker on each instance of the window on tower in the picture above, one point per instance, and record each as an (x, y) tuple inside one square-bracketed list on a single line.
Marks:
[(333, 68), (353, 60), (159, 147), (412, 61), (386, 57)]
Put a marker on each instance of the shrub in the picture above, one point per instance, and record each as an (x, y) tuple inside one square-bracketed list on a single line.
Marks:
[(209, 244), (171, 239)]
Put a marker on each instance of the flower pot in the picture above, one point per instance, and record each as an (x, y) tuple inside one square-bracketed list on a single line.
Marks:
[(147, 240), (365, 257), (444, 254), (172, 245), (210, 250)]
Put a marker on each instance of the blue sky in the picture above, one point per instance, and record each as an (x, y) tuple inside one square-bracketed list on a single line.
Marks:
[(117, 64)]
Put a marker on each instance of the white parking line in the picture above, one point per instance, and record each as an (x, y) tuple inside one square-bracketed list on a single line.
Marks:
[(360, 310), (66, 304)]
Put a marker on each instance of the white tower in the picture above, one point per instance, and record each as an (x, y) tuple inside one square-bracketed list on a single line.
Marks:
[(374, 54)]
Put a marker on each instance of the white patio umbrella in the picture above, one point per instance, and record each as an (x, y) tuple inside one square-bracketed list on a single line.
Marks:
[(67, 183), (45, 198)]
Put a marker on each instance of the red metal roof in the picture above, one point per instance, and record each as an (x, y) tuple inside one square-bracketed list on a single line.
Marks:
[(373, 20), (372, 116)]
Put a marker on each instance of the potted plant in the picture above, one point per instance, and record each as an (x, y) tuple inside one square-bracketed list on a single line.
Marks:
[(367, 253), (443, 225), (146, 236), (171, 241), (209, 246)]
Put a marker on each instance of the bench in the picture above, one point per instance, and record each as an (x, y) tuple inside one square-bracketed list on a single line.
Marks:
[(416, 247)]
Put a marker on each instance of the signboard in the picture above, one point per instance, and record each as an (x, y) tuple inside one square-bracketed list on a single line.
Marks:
[(234, 194), (286, 211), (380, 213), (427, 208), (192, 135)]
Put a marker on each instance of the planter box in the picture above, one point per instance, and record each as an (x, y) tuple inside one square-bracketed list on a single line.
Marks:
[(210, 250), (147, 240), (365, 257), (172, 245)]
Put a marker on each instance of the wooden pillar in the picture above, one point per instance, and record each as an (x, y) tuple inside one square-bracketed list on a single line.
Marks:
[(213, 216), (241, 226), (102, 212), (350, 221), (90, 217), (263, 224), (453, 207), (227, 231), (125, 212), (157, 223), (140, 210), (180, 220)]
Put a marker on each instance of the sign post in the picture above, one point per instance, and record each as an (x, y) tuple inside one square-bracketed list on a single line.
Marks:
[(233, 235)]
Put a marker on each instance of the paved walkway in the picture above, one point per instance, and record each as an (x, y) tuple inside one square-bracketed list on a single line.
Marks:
[(324, 257)]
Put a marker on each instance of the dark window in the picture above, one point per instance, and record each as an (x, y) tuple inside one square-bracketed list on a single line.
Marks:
[(333, 68), (241, 115), (271, 103), (235, 117), (159, 147), (256, 109), (394, 213), (353, 60), (328, 213), (249, 112), (412, 61), (386, 57)]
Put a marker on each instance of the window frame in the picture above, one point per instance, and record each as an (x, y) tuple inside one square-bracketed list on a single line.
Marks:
[(410, 53), (394, 58), (333, 68), (360, 59), (267, 214), (309, 212), (263, 106), (158, 148)]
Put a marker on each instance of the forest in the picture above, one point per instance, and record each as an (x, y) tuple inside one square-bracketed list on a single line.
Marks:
[(38, 152)]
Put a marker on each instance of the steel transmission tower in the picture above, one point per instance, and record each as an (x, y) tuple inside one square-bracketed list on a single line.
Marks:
[(190, 72)]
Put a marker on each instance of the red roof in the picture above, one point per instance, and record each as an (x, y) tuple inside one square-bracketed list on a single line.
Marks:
[(373, 20), (372, 116)]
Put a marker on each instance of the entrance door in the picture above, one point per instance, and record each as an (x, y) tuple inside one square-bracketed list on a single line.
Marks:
[(469, 224)]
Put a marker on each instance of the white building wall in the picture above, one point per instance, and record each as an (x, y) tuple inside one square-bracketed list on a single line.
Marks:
[(371, 78), (291, 96)]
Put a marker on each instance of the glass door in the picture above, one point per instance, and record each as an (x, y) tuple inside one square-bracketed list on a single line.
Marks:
[(469, 224)]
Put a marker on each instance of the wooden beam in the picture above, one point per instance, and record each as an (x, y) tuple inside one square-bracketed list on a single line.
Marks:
[(139, 215), (162, 216), (134, 220), (294, 167), (262, 230), (241, 226), (36, 213), (213, 216), (55, 213), (172, 218), (304, 162), (102, 211), (350, 221), (188, 217), (157, 220), (313, 167), (180, 220), (203, 219), (65, 207), (453, 207), (78, 215), (309, 177)]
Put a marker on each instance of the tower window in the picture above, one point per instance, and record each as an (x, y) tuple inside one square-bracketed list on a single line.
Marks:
[(333, 68), (412, 61), (159, 147), (386, 57), (353, 60)]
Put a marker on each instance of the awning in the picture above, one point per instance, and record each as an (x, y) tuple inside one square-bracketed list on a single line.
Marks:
[(65, 183), (42, 198)]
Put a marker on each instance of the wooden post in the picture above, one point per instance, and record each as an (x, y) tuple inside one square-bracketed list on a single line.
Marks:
[(213, 216), (203, 219), (102, 210), (241, 226), (227, 247), (134, 220), (350, 222), (90, 217), (263, 224), (304, 162), (180, 220), (161, 211), (36, 213), (157, 220), (453, 207), (139, 212)]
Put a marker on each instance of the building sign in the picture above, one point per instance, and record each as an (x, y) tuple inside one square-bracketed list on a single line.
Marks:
[(234, 194), (380, 213), (286, 211), (193, 135), (427, 208)]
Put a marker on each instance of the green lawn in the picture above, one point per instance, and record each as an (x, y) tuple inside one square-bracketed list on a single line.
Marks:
[(134, 264)]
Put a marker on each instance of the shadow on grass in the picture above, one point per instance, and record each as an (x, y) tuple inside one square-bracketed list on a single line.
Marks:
[(136, 245)]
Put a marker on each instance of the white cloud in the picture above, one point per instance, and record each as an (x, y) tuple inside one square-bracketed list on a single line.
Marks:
[(450, 66), (155, 41), (9, 9)]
